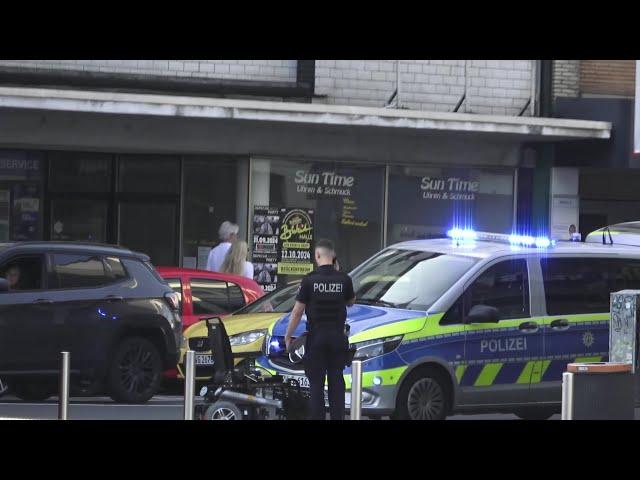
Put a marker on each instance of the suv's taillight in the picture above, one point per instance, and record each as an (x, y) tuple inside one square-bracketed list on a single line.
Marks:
[(173, 299)]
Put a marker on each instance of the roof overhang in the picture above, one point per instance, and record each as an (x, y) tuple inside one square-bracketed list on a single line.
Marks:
[(116, 103)]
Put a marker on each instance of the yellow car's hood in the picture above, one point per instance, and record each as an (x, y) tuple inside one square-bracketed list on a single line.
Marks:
[(236, 324)]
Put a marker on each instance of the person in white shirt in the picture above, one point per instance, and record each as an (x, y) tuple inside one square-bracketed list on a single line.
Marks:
[(228, 234), (235, 262)]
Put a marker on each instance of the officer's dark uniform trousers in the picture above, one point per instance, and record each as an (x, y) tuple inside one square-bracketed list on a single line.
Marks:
[(326, 354), (325, 293)]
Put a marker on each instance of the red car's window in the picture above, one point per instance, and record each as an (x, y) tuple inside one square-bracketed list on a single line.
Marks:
[(209, 297), (176, 285), (236, 297)]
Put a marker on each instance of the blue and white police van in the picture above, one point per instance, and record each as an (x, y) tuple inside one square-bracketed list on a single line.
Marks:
[(477, 322)]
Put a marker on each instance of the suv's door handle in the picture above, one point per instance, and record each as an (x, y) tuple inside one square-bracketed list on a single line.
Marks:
[(560, 324), (114, 298), (528, 327), (43, 301)]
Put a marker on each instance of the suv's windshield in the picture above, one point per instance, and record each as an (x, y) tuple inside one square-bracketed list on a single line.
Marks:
[(407, 278), (278, 301)]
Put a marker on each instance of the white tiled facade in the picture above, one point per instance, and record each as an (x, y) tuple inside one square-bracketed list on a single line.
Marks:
[(497, 87), (566, 78)]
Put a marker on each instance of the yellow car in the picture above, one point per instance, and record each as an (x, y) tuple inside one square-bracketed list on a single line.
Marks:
[(247, 329)]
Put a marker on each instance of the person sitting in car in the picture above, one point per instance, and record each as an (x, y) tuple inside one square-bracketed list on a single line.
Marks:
[(13, 277)]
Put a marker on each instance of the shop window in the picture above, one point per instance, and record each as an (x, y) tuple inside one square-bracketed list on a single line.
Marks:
[(79, 172), (79, 220), (150, 227), (148, 174), (424, 202), (214, 191), (347, 200)]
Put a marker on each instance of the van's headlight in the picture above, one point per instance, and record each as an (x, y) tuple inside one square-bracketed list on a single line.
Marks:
[(377, 347), (247, 337)]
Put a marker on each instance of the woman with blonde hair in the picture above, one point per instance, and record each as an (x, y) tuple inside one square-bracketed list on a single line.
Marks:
[(235, 261)]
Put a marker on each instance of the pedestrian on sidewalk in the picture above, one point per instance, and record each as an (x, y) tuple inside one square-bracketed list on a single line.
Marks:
[(228, 233), (235, 261)]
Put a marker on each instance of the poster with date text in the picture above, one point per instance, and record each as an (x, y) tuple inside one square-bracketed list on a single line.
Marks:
[(296, 242), (265, 249)]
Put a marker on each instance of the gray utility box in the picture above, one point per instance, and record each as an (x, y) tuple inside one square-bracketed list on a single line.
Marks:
[(623, 332), (598, 391)]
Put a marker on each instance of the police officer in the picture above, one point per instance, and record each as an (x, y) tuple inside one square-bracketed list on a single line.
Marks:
[(324, 295)]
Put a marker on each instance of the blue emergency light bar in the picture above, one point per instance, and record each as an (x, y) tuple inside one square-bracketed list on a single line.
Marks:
[(465, 235)]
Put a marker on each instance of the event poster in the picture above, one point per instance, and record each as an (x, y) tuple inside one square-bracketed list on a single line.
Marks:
[(265, 251), (296, 241), (282, 244)]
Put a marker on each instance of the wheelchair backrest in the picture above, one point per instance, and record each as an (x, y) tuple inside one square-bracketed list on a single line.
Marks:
[(220, 346)]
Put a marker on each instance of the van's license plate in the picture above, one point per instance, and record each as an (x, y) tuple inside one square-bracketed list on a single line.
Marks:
[(204, 359), (302, 380)]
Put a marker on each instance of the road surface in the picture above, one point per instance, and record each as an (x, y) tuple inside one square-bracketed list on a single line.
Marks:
[(161, 407)]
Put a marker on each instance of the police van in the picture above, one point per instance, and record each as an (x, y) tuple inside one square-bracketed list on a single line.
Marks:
[(476, 322)]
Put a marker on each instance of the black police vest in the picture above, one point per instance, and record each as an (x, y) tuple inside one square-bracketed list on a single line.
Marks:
[(327, 305)]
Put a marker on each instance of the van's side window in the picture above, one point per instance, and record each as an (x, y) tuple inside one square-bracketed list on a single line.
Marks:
[(577, 285), (583, 285), (504, 286)]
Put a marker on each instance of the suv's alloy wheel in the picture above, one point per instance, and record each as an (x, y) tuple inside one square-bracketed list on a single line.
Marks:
[(135, 374)]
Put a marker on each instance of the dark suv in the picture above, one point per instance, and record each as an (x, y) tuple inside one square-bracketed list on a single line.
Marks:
[(104, 304)]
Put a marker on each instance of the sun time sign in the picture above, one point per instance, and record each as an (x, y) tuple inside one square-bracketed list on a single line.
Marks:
[(451, 188)]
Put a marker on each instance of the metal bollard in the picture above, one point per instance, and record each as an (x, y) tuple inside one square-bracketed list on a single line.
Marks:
[(189, 384), (356, 390), (567, 396), (63, 399)]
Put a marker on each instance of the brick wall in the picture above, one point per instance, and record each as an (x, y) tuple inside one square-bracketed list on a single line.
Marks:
[(608, 77), (572, 78), (262, 70), (498, 87)]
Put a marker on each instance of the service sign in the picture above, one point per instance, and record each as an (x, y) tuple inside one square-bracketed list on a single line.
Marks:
[(296, 241)]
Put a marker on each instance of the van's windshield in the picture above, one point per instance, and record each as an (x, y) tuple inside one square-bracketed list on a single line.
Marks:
[(407, 278)]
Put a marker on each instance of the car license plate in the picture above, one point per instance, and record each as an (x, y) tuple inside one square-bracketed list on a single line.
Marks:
[(204, 359), (302, 380)]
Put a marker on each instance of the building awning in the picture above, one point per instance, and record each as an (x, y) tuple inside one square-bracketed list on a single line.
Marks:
[(142, 104)]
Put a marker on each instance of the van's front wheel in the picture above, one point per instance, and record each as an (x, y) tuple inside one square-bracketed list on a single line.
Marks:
[(424, 395)]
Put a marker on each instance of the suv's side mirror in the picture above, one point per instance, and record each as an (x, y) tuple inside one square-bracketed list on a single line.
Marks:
[(483, 314), (4, 285)]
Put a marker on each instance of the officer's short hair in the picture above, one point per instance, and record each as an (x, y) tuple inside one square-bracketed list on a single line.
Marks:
[(326, 245)]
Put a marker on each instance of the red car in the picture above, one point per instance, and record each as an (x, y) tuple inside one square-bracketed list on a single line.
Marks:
[(203, 293)]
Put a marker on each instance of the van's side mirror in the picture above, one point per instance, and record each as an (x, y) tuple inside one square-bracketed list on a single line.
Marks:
[(483, 314), (4, 285)]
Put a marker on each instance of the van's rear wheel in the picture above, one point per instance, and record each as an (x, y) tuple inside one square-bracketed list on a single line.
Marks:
[(135, 374), (425, 395)]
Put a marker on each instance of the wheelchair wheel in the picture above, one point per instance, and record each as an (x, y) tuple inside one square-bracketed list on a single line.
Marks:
[(223, 410)]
